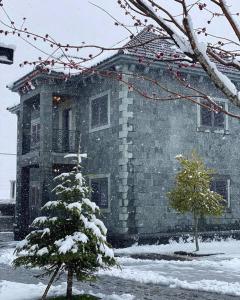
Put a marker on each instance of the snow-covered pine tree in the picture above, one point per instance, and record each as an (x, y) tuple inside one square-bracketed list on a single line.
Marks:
[(68, 236), (192, 192)]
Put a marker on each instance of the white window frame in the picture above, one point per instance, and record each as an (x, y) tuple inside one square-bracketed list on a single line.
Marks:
[(92, 129), (204, 128), (101, 176)]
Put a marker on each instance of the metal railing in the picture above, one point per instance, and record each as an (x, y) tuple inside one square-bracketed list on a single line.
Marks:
[(65, 141)]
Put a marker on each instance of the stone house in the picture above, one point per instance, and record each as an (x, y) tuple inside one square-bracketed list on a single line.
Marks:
[(131, 142)]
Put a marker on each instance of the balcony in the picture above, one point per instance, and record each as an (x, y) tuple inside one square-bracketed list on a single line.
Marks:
[(65, 141)]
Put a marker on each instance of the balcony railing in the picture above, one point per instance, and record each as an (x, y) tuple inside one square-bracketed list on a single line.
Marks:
[(65, 141)]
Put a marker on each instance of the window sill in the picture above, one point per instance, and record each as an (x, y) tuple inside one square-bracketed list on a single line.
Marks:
[(212, 130), (99, 128), (105, 210)]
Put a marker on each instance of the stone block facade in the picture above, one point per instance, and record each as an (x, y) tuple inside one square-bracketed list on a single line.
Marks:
[(134, 149)]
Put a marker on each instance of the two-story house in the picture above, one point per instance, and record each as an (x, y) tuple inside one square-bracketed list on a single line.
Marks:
[(131, 142)]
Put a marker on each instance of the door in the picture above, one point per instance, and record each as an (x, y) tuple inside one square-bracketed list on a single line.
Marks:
[(67, 129)]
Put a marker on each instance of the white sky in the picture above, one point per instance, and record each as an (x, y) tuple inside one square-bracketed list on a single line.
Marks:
[(71, 21)]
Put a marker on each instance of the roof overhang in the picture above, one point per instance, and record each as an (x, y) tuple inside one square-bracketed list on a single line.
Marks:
[(14, 109), (117, 59)]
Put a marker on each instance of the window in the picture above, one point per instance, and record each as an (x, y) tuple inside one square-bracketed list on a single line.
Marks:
[(99, 112), (35, 132), (222, 187), (34, 194), (100, 191), (211, 119)]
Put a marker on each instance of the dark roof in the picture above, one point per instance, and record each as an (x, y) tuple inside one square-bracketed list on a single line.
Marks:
[(160, 49), (154, 45)]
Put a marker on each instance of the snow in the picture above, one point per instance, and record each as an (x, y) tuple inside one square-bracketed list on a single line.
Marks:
[(39, 220), (45, 231), (62, 175), (76, 155), (49, 204), (71, 155), (7, 256), (35, 291), (228, 247), (91, 225), (69, 242), (42, 251), (106, 250), (202, 48), (182, 42), (100, 224), (75, 205), (90, 203), (217, 273), (154, 277)]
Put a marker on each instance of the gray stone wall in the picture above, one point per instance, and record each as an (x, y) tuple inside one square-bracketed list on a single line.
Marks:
[(161, 131), (101, 146)]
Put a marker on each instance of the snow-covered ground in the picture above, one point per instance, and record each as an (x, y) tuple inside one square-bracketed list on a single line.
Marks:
[(219, 273), (35, 291)]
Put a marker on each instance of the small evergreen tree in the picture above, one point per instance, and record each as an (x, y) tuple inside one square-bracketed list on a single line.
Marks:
[(192, 192), (69, 236)]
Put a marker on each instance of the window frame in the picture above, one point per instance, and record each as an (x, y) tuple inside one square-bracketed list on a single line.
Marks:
[(212, 128), (101, 176), (91, 99)]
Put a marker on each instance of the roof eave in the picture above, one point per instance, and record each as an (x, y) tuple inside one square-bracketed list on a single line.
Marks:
[(14, 109)]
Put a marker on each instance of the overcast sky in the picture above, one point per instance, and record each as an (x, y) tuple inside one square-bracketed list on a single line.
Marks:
[(70, 21)]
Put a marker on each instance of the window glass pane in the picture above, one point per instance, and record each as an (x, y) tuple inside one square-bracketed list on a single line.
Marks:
[(34, 133), (99, 193), (221, 188), (95, 194), (206, 117), (103, 110), (219, 119), (95, 113), (34, 195), (99, 111), (104, 192), (38, 133)]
